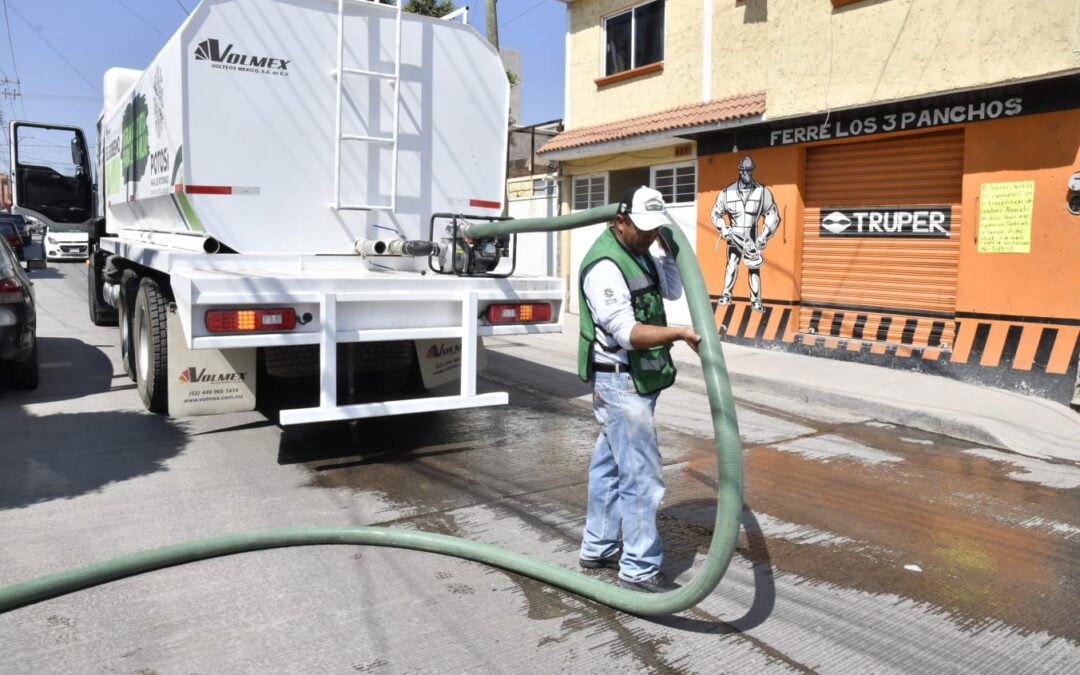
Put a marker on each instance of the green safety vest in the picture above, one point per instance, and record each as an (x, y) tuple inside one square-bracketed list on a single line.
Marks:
[(651, 369)]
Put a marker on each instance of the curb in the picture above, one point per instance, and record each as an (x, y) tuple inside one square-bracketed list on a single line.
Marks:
[(892, 412)]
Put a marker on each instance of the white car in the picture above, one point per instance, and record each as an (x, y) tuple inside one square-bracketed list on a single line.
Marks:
[(60, 244)]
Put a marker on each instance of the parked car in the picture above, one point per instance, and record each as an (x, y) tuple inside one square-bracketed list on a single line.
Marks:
[(10, 233), (18, 322), (65, 244), (21, 224)]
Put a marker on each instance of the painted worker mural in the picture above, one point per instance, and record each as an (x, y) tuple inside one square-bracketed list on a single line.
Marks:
[(745, 215)]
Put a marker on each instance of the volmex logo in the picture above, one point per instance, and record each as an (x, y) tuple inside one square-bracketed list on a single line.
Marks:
[(888, 221), (227, 59), (195, 375), (441, 350)]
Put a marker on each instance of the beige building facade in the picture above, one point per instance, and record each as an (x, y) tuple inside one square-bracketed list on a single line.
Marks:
[(814, 55), (919, 154)]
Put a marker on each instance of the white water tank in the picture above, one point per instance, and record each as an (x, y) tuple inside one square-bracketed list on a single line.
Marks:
[(231, 130)]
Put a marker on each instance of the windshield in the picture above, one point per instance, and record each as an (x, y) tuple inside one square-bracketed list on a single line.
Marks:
[(10, 233), (69, 227)]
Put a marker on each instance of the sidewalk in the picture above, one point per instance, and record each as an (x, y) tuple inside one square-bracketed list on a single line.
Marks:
[(998, 418)]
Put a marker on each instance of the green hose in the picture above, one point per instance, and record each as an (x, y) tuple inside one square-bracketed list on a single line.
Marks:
[(728, 508), (594, 216)]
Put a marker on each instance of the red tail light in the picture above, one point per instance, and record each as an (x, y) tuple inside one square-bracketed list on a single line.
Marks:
[(13, 238), (522, 313), (249, 320), (11, 292)]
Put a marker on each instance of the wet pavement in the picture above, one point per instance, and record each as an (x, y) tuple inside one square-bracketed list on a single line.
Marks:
[(978, 538), (866, 547)]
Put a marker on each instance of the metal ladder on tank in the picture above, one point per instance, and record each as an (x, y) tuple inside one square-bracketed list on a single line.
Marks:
[(394, 77)]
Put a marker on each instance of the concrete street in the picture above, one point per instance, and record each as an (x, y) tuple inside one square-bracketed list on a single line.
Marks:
[(868, 546)]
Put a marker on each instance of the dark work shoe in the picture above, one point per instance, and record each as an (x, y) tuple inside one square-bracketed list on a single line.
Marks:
[(608, 562), (657, 583)]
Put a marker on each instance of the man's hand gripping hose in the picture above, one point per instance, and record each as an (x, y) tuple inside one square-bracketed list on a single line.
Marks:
[(729, 486)]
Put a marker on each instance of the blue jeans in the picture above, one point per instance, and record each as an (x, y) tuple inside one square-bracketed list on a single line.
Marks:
[(626, 480)]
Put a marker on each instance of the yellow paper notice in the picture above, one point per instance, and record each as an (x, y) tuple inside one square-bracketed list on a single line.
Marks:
[(1005, 217)]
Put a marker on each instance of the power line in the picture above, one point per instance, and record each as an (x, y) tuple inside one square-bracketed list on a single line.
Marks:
[(518, 16), (61, 97), (140, 17), (14, 64), (183, 8), (48, 44)]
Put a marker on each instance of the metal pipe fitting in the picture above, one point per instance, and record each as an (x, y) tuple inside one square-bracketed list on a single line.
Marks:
[(397, 247)]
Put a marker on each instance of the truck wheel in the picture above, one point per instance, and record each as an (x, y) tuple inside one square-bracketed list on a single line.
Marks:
[(129, 287), (24, 374), (294, 361), (100, 312), (151, 346)]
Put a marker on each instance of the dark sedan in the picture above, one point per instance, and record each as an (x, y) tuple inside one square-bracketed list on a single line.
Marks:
[(10, 233), (22, 225), (18, 322)]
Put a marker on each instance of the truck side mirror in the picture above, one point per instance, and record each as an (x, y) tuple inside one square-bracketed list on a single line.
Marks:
[(77, 152)]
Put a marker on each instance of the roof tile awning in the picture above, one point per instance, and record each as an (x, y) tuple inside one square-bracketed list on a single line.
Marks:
[(680, 119)]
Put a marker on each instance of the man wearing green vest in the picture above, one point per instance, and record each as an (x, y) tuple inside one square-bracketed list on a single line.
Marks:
[(624, 347)]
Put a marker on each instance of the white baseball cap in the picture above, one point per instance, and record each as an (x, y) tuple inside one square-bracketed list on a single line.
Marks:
[(646, 208)]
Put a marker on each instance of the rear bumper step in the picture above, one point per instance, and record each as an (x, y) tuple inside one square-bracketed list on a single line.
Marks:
[(385, 408)]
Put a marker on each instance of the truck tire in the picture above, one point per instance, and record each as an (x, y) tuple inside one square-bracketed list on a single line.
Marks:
[(129, 288), (292, 362), (24, 374), (151, 346), (100, 312)]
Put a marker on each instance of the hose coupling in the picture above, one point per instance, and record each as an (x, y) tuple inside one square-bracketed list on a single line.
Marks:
[(397, 247)]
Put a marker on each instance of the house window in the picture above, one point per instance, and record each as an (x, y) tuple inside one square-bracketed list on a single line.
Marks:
[(677, 182), (590, 191), (634, 38)]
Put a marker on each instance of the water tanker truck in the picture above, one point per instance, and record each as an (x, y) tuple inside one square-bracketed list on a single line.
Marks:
[(283, 192)]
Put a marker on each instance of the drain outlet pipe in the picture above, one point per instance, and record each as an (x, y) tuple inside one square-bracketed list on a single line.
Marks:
[(728, 507), (399, 247)]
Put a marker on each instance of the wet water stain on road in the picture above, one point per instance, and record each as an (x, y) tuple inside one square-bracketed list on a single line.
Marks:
[(912, 514), (863, 506)]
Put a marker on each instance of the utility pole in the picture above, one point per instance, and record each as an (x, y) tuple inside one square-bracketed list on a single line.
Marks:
[(492, 24), (9, 89), (7, 147)]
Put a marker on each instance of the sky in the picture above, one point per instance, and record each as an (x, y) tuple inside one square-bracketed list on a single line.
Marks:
[(58, 51)]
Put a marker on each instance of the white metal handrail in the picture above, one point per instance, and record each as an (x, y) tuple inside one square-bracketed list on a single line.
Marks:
[(339, 74)]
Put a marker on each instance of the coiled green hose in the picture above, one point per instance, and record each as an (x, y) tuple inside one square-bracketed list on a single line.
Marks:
[(729, 486)]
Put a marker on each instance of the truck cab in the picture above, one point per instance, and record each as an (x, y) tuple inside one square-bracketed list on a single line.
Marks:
[(54, 184)]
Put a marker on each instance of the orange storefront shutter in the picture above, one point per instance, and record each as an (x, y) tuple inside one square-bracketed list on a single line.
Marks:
[(871, 285)]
